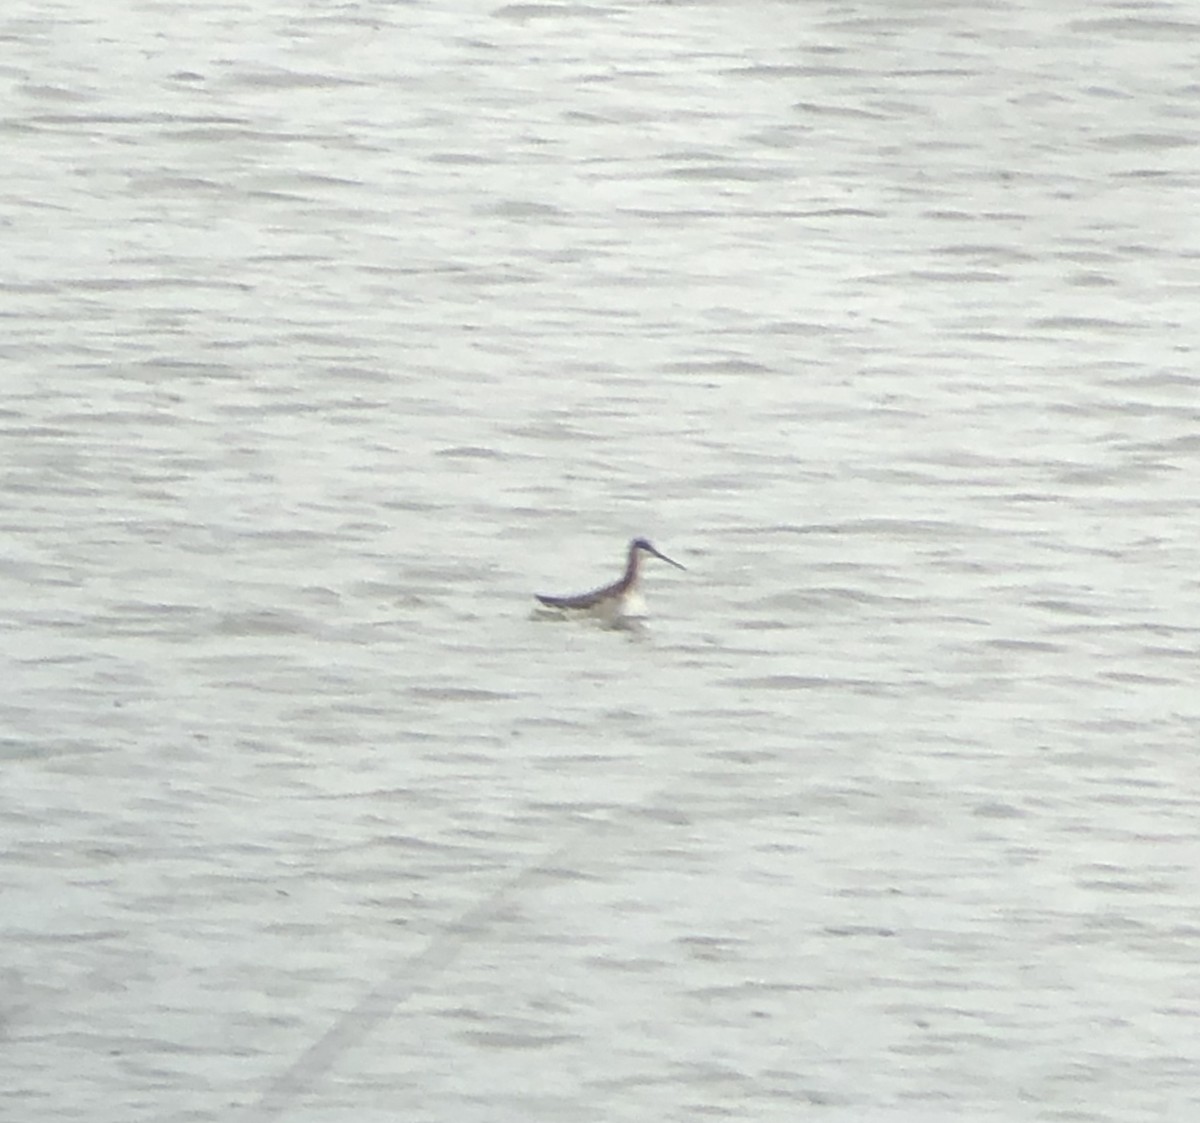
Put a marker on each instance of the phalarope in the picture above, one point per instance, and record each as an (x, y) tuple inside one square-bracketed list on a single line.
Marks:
[(618, 601)]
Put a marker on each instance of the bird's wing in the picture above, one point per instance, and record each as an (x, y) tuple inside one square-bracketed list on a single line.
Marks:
[(581, 600)]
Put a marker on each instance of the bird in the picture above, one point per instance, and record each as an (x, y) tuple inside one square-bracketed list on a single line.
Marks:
[(618, 601)]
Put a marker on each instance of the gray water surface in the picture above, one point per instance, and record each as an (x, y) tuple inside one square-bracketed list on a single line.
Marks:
[(331, 333)]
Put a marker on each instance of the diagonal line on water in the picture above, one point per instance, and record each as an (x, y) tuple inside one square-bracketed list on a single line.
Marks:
[(411, 975)]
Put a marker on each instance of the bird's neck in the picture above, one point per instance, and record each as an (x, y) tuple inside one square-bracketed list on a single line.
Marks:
[(631, 569)]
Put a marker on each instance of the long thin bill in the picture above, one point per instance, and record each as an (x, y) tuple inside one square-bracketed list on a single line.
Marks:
[(669, 561)]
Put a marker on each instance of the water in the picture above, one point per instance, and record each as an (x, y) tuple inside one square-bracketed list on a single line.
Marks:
[(333, 333)]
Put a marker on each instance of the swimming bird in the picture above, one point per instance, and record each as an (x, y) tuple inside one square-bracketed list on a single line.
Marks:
[(618, 601)]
